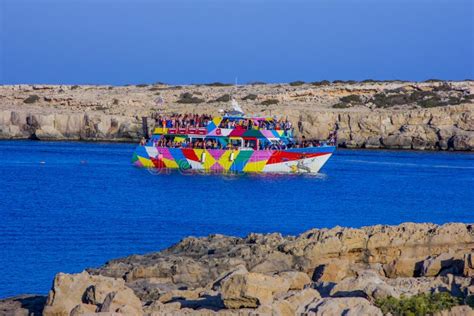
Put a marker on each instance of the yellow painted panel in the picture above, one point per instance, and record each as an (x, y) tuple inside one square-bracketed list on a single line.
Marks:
[(146, 162), (209, 162), (169, 163), (160, 130), (179, 139), (217, 120), (224, 160), (255, 166)]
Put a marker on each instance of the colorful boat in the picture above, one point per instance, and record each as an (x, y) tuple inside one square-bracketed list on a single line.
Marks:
[(244, 147)]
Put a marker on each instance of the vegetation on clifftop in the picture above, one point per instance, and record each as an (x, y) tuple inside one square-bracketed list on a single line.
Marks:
[(31, 99), (421, 304), (189, 98)]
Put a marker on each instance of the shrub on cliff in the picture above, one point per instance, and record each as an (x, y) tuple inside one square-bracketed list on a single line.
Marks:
[(297, 83), (353, 98), (250, 97), (31, 99), (223, 98), (270, 102), (141, 85), (431, 102), (382, 100), (321, 83), (421, 304), (218, 84), (188, 98), (341, 105)]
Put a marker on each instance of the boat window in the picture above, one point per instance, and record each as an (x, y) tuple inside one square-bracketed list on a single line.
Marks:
[(251, 143), (236, 142)]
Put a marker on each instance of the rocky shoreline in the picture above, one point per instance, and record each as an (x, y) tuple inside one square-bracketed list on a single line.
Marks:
[(338, 271), (391, 115)]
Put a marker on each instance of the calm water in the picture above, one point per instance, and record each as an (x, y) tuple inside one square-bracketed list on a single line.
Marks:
[(68, 206)]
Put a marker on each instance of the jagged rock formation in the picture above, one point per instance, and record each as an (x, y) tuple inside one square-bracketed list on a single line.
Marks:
[(320, 272), (398, 115)]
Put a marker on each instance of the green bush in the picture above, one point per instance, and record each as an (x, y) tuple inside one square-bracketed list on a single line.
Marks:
[(74, 87), (218, 84), (270, 102), (382, 100), (421, 304), (431, 102), (341, 105), (142, 85), (433, 80), (250, 97), (31, 99), (223, 98), (353, 98), (297, 83), (189, 98), (257, 83), (321, 83)]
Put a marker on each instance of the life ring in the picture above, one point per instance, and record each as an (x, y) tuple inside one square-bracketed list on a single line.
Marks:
[(218, 131)]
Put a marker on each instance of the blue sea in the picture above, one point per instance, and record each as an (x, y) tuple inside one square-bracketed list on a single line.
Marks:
[(66, 206)]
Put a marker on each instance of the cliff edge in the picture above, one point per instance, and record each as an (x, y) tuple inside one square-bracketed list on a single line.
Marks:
[(338, 271), (431, 115)]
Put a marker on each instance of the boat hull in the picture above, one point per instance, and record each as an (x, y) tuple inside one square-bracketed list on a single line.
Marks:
[(295, 160)]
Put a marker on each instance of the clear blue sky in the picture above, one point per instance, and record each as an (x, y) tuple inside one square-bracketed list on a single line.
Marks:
[(192, 41)]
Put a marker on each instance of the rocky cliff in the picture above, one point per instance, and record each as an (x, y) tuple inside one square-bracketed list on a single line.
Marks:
[(398, 115), (338, 271)]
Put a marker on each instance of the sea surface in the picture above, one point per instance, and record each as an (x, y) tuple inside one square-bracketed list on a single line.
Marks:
[(66, 206)]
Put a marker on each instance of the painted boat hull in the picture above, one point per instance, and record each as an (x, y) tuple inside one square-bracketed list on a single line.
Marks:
[(295, 160)]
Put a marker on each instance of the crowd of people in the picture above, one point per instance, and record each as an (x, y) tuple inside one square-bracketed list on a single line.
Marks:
[(257, 124), (202, 120), (182, 120)]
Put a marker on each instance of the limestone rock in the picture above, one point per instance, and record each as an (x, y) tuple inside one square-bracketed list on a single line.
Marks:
[(401, 267), (462, 310), (114, 113), (295, 303), (352, 306), (468, 265), (367, 284), (298, 280), (333, 271), (252, 289), (444, 263), (71, 290)]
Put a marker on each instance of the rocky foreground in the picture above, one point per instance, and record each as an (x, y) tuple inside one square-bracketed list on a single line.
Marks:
[(432, 115), (338, 271)]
